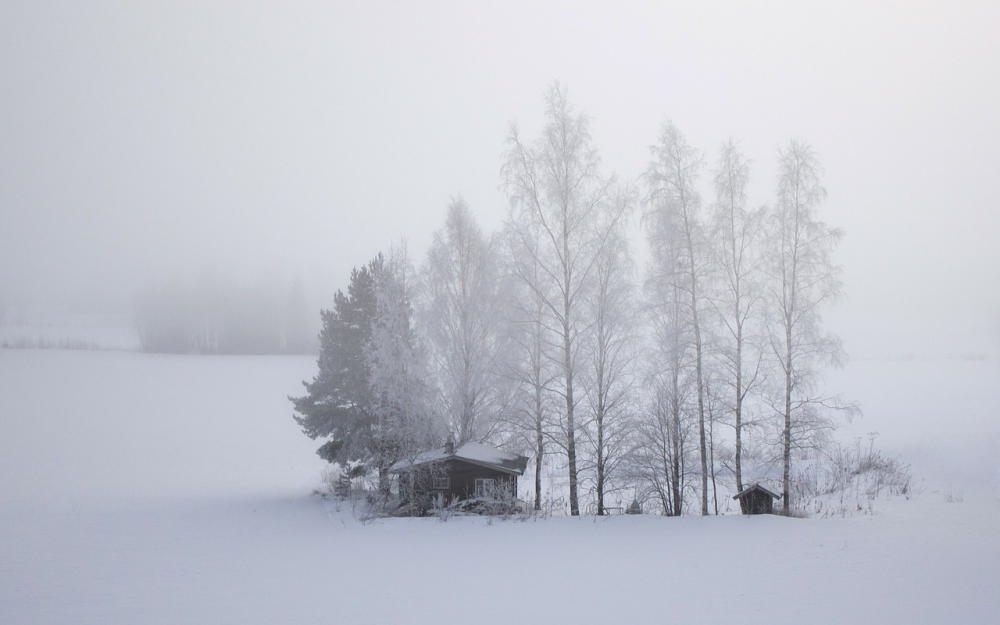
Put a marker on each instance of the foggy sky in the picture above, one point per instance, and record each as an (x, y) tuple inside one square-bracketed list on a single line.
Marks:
[(142, 142)]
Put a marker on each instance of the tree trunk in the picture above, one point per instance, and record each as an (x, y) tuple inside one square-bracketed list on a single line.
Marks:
[(574, 504), (664, 500), (538, 470), (539, 445), (737, 269), (600, 462), (701, 399), (383, 479), (711, 456), (536, 372), (698, 358), (739, 404), (787, 434), (677, 448)]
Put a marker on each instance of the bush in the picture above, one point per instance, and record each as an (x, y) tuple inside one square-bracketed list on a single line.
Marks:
[(847, 480)]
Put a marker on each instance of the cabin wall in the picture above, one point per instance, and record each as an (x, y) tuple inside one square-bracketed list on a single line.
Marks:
[(756, 503), (463, 476), (421, 485)]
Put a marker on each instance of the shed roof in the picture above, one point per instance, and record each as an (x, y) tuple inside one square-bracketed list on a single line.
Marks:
[(757, 487), (475, 453)]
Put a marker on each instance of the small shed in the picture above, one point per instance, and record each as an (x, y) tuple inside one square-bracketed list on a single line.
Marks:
[(756, 499), (457, 473)]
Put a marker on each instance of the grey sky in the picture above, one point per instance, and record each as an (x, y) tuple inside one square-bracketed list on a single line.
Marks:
[(147, 141)]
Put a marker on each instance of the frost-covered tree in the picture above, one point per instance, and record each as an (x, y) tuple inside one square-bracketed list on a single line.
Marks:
[(556, 189), (530, 364), (659, 457), (663, 442), (714, 407), (338, 404), (463, 290), (803, 278), (610, 356), (673, 201), (403, 419), (370, 399), (737, 247)]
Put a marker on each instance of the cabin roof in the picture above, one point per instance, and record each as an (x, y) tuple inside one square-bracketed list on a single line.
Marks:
[(757, 487), (474, 453)]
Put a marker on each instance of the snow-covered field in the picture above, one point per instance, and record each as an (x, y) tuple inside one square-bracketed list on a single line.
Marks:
[(173, 489)]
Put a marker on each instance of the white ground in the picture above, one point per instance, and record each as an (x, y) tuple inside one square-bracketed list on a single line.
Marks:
[(169, 489)]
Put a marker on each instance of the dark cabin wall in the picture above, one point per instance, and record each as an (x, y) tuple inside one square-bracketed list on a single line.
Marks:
[(756, 502), (763, 504), (462, 478)]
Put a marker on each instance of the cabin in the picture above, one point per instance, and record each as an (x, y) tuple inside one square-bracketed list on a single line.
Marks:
[(756, 499), (471, 471)]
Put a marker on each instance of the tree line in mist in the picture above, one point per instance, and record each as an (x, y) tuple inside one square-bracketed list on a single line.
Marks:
[(217, 317), (675, 382)]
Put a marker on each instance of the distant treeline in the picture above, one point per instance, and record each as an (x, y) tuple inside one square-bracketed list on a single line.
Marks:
[(225, 318)]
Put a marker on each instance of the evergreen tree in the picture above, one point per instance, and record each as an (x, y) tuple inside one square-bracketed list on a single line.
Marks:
[(338, 402)]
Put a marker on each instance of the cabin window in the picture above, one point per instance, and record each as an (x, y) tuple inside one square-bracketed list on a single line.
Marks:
[(440, 482), (485, 487)]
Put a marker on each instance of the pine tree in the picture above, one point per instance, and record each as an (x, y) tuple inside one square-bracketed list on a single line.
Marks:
[(338, 402)]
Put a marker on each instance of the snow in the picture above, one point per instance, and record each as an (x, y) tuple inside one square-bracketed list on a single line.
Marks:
[(175, 489), (483, 453), (476, 452), (756, 486)]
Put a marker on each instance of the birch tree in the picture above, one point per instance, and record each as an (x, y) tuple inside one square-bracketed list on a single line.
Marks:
[(803, 279), (672, 196), (462, 291), (659, 455), (555, 186), (610, 359), (530, 363), (663, 442), (737, 242)]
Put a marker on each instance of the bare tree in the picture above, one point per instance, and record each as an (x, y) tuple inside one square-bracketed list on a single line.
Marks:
[(662, 444), (556, 188), (612, 346), (659, 456), (713, 408), (737, 246), (462, 289), (529, 363), (672, 197), (803, 279)]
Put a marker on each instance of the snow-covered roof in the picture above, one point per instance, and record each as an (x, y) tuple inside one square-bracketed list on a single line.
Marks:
[(476, 453), (755, 486)]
